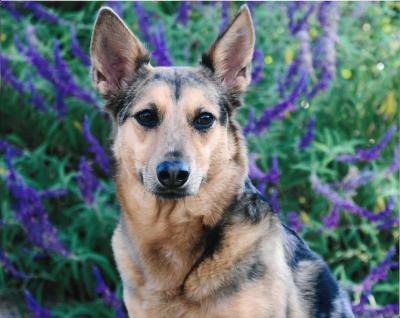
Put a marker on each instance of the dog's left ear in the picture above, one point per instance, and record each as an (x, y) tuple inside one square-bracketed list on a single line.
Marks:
[(229, 57)]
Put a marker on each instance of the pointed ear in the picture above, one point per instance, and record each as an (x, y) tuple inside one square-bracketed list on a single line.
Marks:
[(230, 55), (115, 53)]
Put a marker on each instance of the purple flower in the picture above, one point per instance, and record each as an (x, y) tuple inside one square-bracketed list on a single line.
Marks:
[(64, 75), (356, 180), (9, 267), (143, 21), (276, 112), (9, 150), (34, 307), (9, 6), (76, 49), (160, 52), (291, 73), (395, 164), (29, 211), (305, 141), (339, 202), (273, 173), (273, 200), (387, 311), (300, 30), (183, 12), (332, 219), (302, 23), (156, 38), (378, 273), (8, 77), (33, 57), (107, 296), (294, 221), (95, 148), (272, 176), (87, 182), (258, 66), (41, 13), (116, 6), (250, 121), (325, 61), (224, 15), (371, 153), (36, 100), (52, 193)]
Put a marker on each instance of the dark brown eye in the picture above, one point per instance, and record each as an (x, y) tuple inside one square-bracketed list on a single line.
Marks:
[(203, 121), (147, 118)]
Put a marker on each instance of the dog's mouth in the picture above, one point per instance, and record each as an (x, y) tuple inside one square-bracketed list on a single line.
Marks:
[(171, 194)]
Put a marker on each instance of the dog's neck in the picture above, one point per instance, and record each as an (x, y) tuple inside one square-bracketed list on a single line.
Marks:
[(168, 235)]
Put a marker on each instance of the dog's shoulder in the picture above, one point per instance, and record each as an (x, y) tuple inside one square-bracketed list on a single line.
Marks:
[(313, 278)]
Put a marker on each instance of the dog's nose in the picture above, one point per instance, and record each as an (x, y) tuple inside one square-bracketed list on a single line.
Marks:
[(172, 174)]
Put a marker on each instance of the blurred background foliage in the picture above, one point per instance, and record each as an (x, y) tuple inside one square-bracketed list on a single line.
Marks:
[(327, 161)]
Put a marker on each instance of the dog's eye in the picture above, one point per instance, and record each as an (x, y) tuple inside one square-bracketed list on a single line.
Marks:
[(147, 118), (203, 121)]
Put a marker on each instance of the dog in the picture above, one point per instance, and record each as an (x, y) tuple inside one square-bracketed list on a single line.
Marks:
[(195, 238)]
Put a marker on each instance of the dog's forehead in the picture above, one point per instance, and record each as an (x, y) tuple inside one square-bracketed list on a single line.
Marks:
[(179, 78)]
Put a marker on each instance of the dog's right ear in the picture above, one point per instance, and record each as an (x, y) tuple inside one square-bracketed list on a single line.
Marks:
[(116, 53)]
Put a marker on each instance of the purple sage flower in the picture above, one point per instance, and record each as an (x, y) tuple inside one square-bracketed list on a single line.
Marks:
[(332, 219), (95, 148), (9, 267), (371, 153), (395, 164), (9, 150), (325, 61), (143, 21), (8, 77), (116, 6), (224, 15), (36, 310), (325, 190), (160, 52), (29, 211), (273, 200), (305, 141), (276, 111), (76, 49), (294, 221), (87, 182), (273, 173), (386, 311), (258, 66), (356, 179), (36, 99), (41, 13), (52, 193), (10, 7), (107, 296), (183, 12), (378, 273)]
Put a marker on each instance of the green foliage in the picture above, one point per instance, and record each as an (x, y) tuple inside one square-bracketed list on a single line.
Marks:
[(354, 112)]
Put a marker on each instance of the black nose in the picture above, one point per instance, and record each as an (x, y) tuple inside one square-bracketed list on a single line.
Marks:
[(172, 174)]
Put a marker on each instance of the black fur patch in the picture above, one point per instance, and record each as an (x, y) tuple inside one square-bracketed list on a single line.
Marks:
[(301, 251), (326, 291), (250, 205), (245, 271), (206, 61)]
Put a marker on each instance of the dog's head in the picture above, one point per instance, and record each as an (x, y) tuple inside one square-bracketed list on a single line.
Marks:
[(173, 126)]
